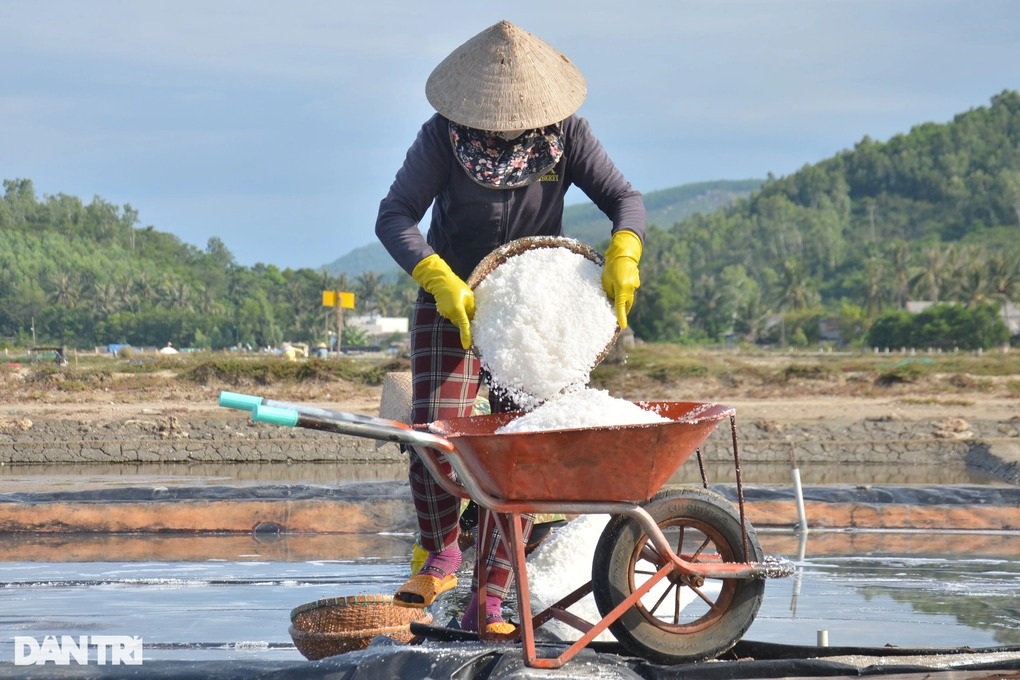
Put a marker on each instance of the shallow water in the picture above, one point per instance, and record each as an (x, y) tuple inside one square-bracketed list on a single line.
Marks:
[(208, 598), (182, 610), (237, 606), (874, 601)]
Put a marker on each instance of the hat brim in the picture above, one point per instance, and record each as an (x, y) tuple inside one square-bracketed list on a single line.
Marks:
[(504, 79)]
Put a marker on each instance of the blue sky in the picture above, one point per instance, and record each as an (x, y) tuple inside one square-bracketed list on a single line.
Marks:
[(278, 126)]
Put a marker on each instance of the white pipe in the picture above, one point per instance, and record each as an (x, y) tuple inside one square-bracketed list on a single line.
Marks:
[(801, 514)]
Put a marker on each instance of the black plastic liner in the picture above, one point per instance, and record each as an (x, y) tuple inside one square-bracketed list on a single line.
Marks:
[(897, 495), (159, 493), (891, 495), (385, 660)]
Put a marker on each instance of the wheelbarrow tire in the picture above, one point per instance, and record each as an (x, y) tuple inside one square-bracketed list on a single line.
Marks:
[(692, 622)]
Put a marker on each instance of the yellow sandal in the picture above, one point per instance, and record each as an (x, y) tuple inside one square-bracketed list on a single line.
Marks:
[(499, 631), (421, 590)]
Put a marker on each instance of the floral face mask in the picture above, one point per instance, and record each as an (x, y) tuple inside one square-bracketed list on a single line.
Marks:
[(506, 160)]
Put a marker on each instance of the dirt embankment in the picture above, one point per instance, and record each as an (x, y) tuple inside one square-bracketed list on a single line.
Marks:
[(164, 419)]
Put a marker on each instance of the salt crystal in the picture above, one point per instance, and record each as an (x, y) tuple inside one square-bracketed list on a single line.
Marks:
[(582, 408), (542, 320)]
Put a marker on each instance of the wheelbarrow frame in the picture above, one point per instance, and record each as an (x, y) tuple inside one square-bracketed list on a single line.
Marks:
[(506, 513)]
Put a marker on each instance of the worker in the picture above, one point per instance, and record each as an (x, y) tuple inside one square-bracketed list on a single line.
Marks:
[(494, 164)]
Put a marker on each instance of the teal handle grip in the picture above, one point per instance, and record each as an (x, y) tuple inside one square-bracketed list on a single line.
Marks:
[(285, 417), (243, 402)]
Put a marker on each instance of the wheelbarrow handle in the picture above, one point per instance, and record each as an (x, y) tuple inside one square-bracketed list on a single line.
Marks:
[(248, 402), (348, 423)]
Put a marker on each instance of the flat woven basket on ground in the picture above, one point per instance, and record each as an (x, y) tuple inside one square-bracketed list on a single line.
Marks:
[(344, 624)]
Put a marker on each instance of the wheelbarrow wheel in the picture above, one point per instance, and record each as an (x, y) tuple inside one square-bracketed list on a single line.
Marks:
[(682, 619)]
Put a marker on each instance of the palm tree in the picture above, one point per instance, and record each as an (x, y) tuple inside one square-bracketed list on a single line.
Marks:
[(177, 293), (405, 297), (926, 284), (305, 324), (340, 281), (969, 281), (1004, 279), (707, 301), (143, 287), (66, 290), (1004, 276), (105, 298), (794, 290), (901, 273), (874, 287), (369, 286), (971, 285), (126, 292), (389, 300), (208, 304)]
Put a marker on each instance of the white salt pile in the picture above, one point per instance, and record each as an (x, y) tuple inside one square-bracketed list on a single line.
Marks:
[(541, 322), (582, 408), (562, 563)]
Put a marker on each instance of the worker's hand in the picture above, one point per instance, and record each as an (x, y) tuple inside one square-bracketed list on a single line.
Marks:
[(620, 275), (454, 299)]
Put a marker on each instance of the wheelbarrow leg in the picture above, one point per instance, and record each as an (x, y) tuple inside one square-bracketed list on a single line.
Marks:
[(516, 544), (590, 632), (511, 532), (483, 545)]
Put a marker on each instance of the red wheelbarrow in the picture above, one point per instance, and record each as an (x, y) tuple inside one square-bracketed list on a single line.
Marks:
[(678, 574)]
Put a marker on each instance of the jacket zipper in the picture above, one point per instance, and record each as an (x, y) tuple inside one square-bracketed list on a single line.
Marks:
[(504, 220)]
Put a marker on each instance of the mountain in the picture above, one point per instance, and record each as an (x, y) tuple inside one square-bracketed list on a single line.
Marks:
[(587, 223), (584, 222), (931, 214)]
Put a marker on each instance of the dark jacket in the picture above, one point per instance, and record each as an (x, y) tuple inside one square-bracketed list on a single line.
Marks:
[(470, 220)]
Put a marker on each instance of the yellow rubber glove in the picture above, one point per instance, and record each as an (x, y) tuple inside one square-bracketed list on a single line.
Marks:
[(454, 299), (620, 275), (418, 557)]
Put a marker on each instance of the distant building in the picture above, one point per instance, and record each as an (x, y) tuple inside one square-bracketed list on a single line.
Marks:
[(918, 306), (829, 331), (379, 326)]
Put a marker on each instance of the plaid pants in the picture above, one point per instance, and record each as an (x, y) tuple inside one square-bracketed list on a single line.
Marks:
[(444, 383)]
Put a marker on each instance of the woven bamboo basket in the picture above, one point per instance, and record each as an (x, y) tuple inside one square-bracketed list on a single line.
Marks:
[(345, 624), (518, 246)]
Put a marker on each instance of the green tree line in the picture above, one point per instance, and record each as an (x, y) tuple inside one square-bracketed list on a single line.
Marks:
[(932, 214), (87, 274)]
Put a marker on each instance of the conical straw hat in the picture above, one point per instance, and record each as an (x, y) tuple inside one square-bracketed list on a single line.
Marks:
[(505, 79)]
